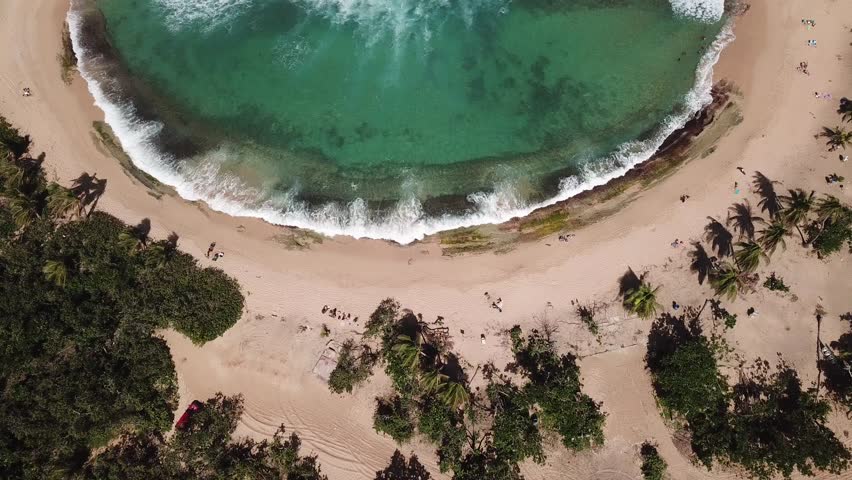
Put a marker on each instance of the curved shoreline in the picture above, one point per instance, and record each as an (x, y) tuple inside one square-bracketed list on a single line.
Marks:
[(408, 220)]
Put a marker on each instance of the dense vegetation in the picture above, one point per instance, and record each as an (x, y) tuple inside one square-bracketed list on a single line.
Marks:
[(81, 295), (653, 465), (837, 369), (483, 433), (766, 423), (204, 450), (400, 469)]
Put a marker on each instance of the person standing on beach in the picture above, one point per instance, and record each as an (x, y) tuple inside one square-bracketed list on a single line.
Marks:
[(210, 249)]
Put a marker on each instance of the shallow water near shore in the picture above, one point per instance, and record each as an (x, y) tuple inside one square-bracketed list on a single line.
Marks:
[(394, 119)]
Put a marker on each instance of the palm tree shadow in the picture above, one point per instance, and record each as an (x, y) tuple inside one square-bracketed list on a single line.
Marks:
[(769, 201), (89, 189), (742, 217), (719, 237), (701, 262), (628, 283)]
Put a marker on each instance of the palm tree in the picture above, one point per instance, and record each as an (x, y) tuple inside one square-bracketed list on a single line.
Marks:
[(837, 137), (56, 272), (829, 210), (798, 206), (749, 255), (61, 201), (728, 281), (24, 211), (408, 351), (455, 395), (773, 235), (769, 201), (14, 177), (433, 381), (845, 109), (741, 215), (642, 300), (136, 238), (130, 242), (719, 237)]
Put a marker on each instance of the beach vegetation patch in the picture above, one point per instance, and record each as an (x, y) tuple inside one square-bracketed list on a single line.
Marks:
[(480, 432), (587, 313), (835, 365), (638, 296), (775, 283), (81, 297), (767, 423), (653, 465), (394, 418), (400, 469), (837, 137), (354, 366), (204, 448), (832, 228)]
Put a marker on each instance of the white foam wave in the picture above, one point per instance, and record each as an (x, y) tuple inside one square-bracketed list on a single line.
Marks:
[(406, 222), (703, 10), (207, 13)]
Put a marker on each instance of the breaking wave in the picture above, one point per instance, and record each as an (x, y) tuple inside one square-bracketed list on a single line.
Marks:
[(406, 221)]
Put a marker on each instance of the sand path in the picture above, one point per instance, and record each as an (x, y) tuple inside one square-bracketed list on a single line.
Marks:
[(265, 358)]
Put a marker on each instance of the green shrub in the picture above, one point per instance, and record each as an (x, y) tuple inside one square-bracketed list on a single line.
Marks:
[(554, 385), (11, 139), (775, 284), (394, 418), (200, 303), (653, 465), (444, 427), (204, 449), (766, 423), (399, 469), (354, 366), (834, 237), (515, 433)]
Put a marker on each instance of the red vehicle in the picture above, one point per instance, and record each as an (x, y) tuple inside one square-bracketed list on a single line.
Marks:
[(184, 419)]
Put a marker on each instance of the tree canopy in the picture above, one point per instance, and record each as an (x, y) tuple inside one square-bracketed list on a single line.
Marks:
[(205, 450), (767, 423), (79, 360)]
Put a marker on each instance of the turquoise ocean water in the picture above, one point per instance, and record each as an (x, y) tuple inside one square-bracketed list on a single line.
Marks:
[(393, 118)]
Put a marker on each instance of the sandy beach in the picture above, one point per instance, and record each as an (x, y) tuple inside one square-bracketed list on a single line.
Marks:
[(268, 358)]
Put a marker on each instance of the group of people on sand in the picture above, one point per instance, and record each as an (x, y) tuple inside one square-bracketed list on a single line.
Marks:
[(565, 237), (497, 305), (337, 314), (803, 68), (27, 92), (217, 255)]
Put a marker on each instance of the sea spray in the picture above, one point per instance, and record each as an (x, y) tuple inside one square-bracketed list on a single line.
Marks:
[(404, 222), (703, 10)]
